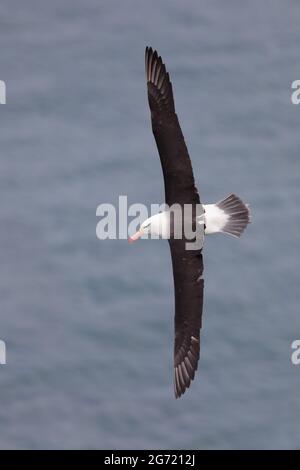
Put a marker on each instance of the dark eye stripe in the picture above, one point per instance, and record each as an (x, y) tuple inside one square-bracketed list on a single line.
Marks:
[(146, 226)]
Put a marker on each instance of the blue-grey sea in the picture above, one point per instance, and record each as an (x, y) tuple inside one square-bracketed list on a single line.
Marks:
[(88, 324)]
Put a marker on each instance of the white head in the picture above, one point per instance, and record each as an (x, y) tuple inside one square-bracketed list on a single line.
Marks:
[(158, 225)]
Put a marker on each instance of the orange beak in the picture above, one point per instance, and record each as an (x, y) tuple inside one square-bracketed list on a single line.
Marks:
[(135, 237)]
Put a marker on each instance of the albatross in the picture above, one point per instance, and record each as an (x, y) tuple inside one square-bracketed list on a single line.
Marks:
[(230, 216)]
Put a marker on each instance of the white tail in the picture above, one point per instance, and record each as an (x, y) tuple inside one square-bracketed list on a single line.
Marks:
[(230, 216)]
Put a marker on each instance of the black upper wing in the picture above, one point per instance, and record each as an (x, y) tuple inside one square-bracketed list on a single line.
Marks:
[(179, 189), (175, 161), (189, 287)]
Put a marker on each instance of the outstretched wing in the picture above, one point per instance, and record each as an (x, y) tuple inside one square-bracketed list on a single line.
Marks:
[(175, 161), (189, 287), (179, 189)]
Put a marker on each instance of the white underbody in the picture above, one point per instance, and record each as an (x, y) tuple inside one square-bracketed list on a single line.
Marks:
[(214, 219), (230, 215)]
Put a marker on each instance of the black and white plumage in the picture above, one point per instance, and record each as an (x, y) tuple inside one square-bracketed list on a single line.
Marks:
[(179, 188), (230, 215)]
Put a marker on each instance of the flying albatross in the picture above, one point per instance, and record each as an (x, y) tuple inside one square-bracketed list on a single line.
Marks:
[(230, 216)]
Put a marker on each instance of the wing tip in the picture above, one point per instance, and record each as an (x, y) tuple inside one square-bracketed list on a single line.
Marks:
[(179, 386), (155, 68), (185, 369), (158, 77)]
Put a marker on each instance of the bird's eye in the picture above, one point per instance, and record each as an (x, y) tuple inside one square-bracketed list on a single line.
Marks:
[(146, 226)]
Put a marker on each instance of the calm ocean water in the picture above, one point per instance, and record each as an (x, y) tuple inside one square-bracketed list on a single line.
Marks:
[(88, 324)]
